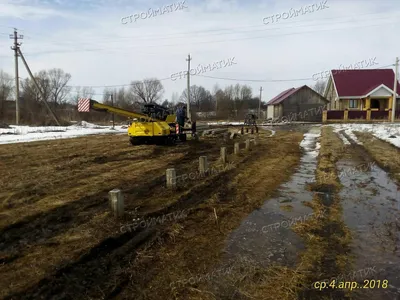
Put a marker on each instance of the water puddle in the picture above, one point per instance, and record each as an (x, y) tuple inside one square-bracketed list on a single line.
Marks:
[(370, 201), (265, 235)]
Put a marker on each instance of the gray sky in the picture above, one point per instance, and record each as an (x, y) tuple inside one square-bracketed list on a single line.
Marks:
[(87, 39)]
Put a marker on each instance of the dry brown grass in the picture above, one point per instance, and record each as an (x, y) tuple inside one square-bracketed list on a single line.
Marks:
[(54, 202), (197, 249)]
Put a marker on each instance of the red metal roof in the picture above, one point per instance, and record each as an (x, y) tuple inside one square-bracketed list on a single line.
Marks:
[(284, 95), (280, 97), (361, 82)]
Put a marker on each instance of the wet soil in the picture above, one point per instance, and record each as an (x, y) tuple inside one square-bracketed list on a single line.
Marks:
[(370, 202), (286, 215), (65, 244)]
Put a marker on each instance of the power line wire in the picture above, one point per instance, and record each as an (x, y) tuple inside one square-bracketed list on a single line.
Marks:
[(166, 36), (217, 41), (254, 80), (271, 80), (241, 32), (214, 41), (222, 78), (117, 85)]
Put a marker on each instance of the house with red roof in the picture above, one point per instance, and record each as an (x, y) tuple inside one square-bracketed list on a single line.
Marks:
[(297, 104), (361, 94)]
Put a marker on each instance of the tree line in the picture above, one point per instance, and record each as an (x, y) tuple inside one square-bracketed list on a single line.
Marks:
[(233, 101)]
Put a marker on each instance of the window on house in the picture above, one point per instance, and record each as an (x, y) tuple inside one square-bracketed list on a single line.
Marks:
[(353, 103)]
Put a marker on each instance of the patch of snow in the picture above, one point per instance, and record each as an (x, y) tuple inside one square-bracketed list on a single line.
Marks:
[(382, 131), (225, 123), (352, 136), (344, 140), (310, 144), (85, 124), (21, 134), (272, 131)]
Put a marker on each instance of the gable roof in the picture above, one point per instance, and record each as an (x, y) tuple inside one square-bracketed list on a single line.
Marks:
[(359, 83), (381, 86), (286, 94), (280, 97)]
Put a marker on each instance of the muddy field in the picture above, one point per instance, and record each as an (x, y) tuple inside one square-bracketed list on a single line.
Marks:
[(298, 208)]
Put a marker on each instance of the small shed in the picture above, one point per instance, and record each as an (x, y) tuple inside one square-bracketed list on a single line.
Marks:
[(297, 104)]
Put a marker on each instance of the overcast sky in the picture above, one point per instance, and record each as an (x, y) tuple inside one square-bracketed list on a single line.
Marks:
[(87, 39)]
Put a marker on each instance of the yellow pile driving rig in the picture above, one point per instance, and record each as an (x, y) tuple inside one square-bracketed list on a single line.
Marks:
[(154, 125)]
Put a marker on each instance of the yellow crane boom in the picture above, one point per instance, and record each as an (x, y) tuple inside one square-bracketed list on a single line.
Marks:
[(119, 111)]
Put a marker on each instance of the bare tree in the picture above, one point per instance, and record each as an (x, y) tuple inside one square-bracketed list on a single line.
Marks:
[(122, 99), (236, 91), (149, 90), (58, 82), (175, 98), (32, 108), (83, 92), (6, 86), (107, 92), (216, 88), (42, 79), (229, 92), (246, 92), (319, 87), (88, 92), (198, 95)]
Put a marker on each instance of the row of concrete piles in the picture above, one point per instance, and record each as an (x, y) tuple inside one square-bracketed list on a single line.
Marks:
[(203, 162), (116, 199)]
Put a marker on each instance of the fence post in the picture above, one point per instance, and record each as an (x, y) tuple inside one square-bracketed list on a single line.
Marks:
[(171, 178), (223, 155), (324, 116), (116, 200), (236, 148), (203, 165), (247, 145)]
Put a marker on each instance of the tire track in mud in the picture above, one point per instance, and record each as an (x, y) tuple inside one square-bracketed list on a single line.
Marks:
[(385, 154), (36, 228), (115, 253), (140, 190), (359, 151), (55, 221), (334, 230), (375, 211), (34, 192), (327, 237)]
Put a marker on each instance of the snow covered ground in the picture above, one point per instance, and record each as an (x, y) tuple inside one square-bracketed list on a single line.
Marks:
[(22, 134), (387, 132), (225, 123), (310, 142)]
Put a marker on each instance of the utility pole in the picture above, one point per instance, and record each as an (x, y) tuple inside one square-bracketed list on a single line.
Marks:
[(395, 90), (112, 104), (259, 104), (38, 87), (16, 48), (188, 90)]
